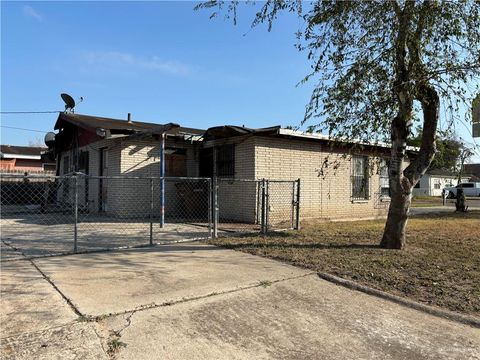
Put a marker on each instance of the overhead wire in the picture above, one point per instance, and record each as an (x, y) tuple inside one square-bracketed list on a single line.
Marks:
[(29, 112), (24, 129)]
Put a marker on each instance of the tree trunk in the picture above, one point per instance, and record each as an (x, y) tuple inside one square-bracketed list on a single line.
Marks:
[(402, 182), (394, 233), (400, 188)]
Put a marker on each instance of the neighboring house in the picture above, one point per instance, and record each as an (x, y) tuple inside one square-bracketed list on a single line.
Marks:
[(433, 182), (474, 170), (338, 181), (24, 158)]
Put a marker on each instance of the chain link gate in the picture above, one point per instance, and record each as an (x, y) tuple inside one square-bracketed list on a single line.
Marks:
[(252, 206), (282, 204)]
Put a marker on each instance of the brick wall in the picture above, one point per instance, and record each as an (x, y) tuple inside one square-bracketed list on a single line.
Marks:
[(325, 191), (237, 200)]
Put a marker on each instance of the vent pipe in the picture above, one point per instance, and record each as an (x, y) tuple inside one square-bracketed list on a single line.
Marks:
[(129, 118)]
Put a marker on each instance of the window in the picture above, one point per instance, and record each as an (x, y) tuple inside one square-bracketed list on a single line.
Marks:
[(226, 161), (436, 184), (384, 182), (466, 185), (360, 181)]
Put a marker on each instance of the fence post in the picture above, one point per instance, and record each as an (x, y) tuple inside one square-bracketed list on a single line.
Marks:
[(151, 212), (75, 212), (297, 220), (267, 205), (210, 215), (292, 220), (215, 207), (263, 226)]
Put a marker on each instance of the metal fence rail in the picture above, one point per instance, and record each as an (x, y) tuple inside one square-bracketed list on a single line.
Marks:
[(44, 215)]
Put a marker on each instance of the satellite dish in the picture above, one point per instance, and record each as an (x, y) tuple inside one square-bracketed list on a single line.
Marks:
[(69, 102), (50, 139)]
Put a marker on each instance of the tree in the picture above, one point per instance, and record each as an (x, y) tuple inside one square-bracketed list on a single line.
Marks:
[(465, 154), (378, 65), (36, 143), (448, 150)]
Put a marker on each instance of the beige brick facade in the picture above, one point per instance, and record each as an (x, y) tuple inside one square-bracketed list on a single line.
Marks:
[(326, 191), (325, 175), (133, 158)]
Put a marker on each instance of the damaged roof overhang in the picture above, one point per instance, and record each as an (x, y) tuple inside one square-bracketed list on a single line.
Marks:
[(227, 131), (222, 133), (111, 126)]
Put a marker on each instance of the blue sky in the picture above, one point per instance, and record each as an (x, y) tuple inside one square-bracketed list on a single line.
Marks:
[(161, 61)]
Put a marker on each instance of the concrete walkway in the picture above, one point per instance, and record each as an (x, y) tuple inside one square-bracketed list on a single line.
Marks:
[(194, 301)]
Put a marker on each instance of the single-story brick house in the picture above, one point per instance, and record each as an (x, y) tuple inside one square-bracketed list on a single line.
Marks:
[(338, 180), (434, 181)]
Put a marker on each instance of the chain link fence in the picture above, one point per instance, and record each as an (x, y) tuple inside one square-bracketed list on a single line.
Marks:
[(45, 215)]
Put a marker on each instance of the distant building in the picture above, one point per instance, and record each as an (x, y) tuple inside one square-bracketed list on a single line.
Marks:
[(434, 181), (24, 158)]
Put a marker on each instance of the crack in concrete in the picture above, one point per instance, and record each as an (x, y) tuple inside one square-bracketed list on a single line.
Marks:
[(45, 277), (114, 343), (50, 281), (184, 300)]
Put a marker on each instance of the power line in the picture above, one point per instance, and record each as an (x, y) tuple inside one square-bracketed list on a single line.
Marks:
[(29, 112), (17, 128)]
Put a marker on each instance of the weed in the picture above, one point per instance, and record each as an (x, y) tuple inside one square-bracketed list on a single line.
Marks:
[(265, 283), (114, 344)]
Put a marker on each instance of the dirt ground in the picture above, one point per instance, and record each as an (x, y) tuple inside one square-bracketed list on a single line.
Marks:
[(440, 266)]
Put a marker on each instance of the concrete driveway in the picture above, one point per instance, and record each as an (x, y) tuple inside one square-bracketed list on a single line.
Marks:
[(194, 301)]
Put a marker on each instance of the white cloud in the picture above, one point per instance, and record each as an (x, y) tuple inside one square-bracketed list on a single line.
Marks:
[(120, 59), (31, 12)]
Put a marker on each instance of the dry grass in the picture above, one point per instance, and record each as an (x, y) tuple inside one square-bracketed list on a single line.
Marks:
[(440, 266)]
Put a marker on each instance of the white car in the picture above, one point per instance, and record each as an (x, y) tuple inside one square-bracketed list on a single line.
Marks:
[(469, 189)]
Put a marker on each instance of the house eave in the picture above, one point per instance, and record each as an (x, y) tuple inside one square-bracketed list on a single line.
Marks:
[(322, 137)]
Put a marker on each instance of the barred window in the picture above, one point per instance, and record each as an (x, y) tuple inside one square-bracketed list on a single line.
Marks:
[(360, 181), (226, 161), (384, 182)]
